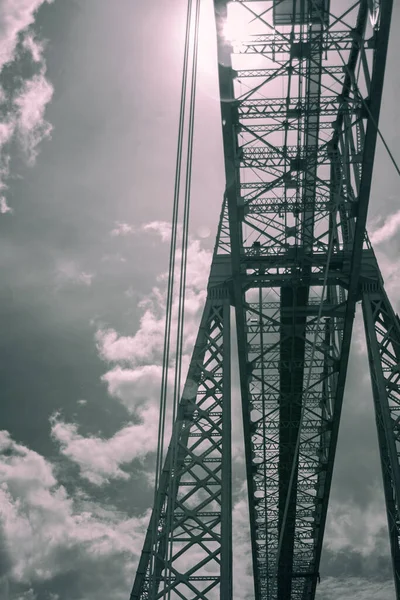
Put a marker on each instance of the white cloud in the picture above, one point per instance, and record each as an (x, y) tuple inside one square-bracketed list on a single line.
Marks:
[(387, 230), (25, 117), (6, 132), (122, 229), (161, 227), (100, 459), (34, 47), (15, 16), (4, 208), (135, 378), (48, 533), (31, 104), (355, 527), (69, 273), (146, 345), (135, 387)]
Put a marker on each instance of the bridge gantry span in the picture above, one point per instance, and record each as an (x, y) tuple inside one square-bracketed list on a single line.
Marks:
[(300, 97)]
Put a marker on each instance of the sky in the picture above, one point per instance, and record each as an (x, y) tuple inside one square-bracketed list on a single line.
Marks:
[(89, 107)]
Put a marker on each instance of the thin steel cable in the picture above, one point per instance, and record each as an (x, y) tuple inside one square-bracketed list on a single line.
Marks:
[(173, 478), (168, 316)]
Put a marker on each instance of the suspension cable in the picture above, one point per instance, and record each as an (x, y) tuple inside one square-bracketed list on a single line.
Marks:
[(173, 471), (169, 303)]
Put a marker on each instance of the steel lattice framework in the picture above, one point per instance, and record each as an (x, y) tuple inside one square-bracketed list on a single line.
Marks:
[(300, 101)]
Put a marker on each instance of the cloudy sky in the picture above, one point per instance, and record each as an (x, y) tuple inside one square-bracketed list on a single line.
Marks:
[(89, 104)]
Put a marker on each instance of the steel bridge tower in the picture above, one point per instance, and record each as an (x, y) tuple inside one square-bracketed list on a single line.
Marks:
[(300, 101)]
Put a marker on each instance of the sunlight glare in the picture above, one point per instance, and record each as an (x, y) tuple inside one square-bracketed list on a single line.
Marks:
[(236, 28)]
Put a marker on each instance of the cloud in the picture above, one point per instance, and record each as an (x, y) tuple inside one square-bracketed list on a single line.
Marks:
[(135, 376), (122, 229), (138, 358), (34, 46), (23, 104), (161, 227), (31, 102), (7, 129), (356, 588), (100, 459), (137, 387), (69, 546), (57, 544), (387, 230), (6, 132), (15, 16), (359, 528), (4, 208), (146, 345), (69, 273)]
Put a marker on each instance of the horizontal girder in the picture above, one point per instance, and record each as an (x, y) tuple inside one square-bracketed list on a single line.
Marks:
[(272, 44), (297, 107)]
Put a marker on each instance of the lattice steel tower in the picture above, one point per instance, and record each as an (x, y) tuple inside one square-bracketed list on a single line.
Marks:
[(300, 100)]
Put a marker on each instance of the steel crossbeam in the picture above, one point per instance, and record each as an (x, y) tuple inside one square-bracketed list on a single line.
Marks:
[(281, 44), (300, 102)]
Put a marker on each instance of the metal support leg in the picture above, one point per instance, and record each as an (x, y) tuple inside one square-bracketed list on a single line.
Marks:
[(193, 549), (383, 340)]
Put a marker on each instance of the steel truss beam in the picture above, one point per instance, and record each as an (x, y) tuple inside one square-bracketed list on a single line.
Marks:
[(293, 258), (187, 550)]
